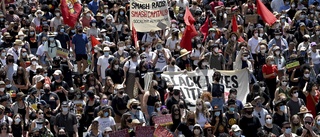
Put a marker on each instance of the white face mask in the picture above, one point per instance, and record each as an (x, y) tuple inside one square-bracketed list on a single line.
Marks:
[(256, 34), (88, 14), (34, 63), (296, 94), (173, 25), (1, 89), (277, 52), (284, 83), (21, 37), (106, 11), (8, 86), (263, 51), (260, 34), (216, 50), (199, 45), (121, 48), (234, 38), (277, 37), (17, 120), (3, 54), (93, 24), (196, 131), (245, 58), (306, 75), (318, 122), (57, 14), (158, 109), (182, 29), (178, 47), (116, 66), (149, 50), (269, 121)]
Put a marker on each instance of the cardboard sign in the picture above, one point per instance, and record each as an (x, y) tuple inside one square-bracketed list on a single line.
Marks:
[(146, 131), (162, 132), (62, 52), (163, 120), (251, 18), (120, 133), (292, 65)]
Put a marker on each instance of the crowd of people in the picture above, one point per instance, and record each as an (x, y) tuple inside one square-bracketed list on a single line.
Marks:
[(95, 91)]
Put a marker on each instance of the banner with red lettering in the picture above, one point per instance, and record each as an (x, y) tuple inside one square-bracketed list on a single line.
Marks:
[(162, 132), (148, 14), (119, 133), (163, 120), (146, 131)]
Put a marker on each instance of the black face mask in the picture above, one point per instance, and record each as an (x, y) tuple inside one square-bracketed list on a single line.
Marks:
[(163, 113), (46, 29), (129, 120), (134, 106), (181, 106), (48, 112), (155, 87), (11, 12), (173, 63), (10, 60), (121, 92), (170, 89), (80, 30), (176, 92), (15, 27), (46, 91), (249, 112)]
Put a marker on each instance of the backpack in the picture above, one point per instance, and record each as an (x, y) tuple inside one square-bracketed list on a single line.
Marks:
[(56, 45)]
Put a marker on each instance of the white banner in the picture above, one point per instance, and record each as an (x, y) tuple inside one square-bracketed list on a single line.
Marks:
[(149, 14), (193, 83)]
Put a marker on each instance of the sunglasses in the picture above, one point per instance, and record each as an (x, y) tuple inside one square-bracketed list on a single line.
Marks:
[(268, 118), (287, 127), (4, 128), (309, 123), (294, 92)]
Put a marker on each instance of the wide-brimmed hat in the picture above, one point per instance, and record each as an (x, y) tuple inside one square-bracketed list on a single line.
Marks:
[(303, 110), (234, 33), (51, 34), (277, 32), (18, 42), (235, 128), (280, 103), (132, 101), (20, 33), (184, 52), (247, 106), (256, 99), (263, 42), (39, 11), (99, 15)]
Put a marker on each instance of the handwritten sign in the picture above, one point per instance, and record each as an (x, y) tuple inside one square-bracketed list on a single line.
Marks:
[(163, 120), (146, 131), (119, 133), (292, 65), (251, 18), (162, 132), (62, 52)]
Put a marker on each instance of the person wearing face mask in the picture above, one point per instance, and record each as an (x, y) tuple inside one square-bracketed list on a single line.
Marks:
[(171, 67), (249, 123), (278, 40), (283, 88), (36, 22), (17, 125), (236, 131), (51, 46), (52, 98), (93, 30), (103, 64), (149, 37), (302, 79), (3, 58), (302, 30), (215, 58), (10, 13), (197, 131), (258, 110), (308, 129), (281, 113), (26, 45), (63, 37), (306, 43), (316, 35), (86, 18), (119, 103), (115, 72), (232, 116), (279, 60), (217, 119), (134, 111), (31, 70), (67, 120), (270, 72), (105, 119), (242, 61), (290, 51), (94, 129), (217, 90), (312, 94), (121, 53), (295, 102), (287, 130), (56, 21), (59, 86), (150, 97)]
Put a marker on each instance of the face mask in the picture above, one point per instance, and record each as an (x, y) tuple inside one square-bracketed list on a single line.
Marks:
[(287, 2), (155, 87), (245, 58), (220, 14), (51, 39), (269, 121), (173, 63), (197, 131), (282, 108), (78, 96), (149, 50), (260, 34), (21, 38), (17, 120), (318, 122), (121, 48), (277, 37), (178, 47), (271, 62), (73, 31), (32, 33), (176, 92), (34, 63), (182, 29), (306, 75), (317, 32), (121, 12), (256, 34), (205, 63), (116, 66), (158, 109), (199, 107), (1, 89), (231, 109), (234, 38), (288, 131), (11, 12), (277, 52), (128, 46), (88, 14), (199, 45), (61, 30), (104, 101), (64, 109), (93, 24), (216, 50), (302, 16), (56, 77), (24, 54), (46, 91), (3, 54), (57, 14), (106, 53), (249, 112), (237, 134), (296, 94), (106, 114), (173, 25), (106, 11), (134, 107), (293, 6), (39, 126), (284, 83), (217, 113)]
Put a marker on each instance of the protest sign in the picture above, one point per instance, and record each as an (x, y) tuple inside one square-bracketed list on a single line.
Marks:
[(149, 14), (62, 52), (119, 133), (146, 131), (163, 120), (162, 132), (193, 83), (251, 18)]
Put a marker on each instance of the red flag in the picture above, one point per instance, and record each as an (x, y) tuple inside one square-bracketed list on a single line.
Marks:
[(94, 42), (189, 32), (235, 27), (265, 14), (134, 35), (204, 29), (70, 10)]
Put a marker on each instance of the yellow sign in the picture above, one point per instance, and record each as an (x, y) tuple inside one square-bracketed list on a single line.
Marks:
[(62, 52)]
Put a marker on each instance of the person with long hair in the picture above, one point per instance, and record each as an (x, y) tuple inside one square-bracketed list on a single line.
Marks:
[(115, 71), (94, 130), (38, 122), (150, 97), (311, 91), (92, 81), (295, 123), (109, 87), (142, 70), (21, 81), (105, 119), (129, 69), (135, 112), (176, 117), (270, 73), (202, 114), (17, 125), (5, 132), (283, 88)]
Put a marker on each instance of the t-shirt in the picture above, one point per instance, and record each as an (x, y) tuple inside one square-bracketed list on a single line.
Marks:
[(51, 48), (132, 66), (249, 126), (294, 107), (80, 41), (105, 122), (104, 64), (116, 75), (269, 69)]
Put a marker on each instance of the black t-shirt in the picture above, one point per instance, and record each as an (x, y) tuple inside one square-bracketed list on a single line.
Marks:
[(51, 99), (55, 85), (116, 75), (184, 129), (274, 130), (140, 74), (63, 38), (217, 90), (182, 64), (279, 119), (249, 126), (66, 121)]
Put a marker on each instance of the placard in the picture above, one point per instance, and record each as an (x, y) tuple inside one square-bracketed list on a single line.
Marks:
[(162, 132), (252, 18), (62, 52), (146, 131), (119, 133), (292, 65), (163, 120)]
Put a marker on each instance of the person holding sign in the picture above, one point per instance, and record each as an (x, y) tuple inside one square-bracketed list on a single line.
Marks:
[(51, 46)]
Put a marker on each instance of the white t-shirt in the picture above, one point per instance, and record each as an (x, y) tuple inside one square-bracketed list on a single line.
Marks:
[(40, 51), (195, 53), (6, 119), (261, 115), (253, 43), (103, 62), (15, 53), (132, 67), (171, 43), (52, 50), (161, 62), (201, 120), (105, 122), (55, 22), (315, 57)]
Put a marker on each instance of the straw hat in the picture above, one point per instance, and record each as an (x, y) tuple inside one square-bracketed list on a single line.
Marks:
[(18, 42), (234, 33), (99, 15), (248, 105), (39, 11), (184, 52), (132, 101), (303, 110), (263, 42), (20, 33), (256, 99)]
